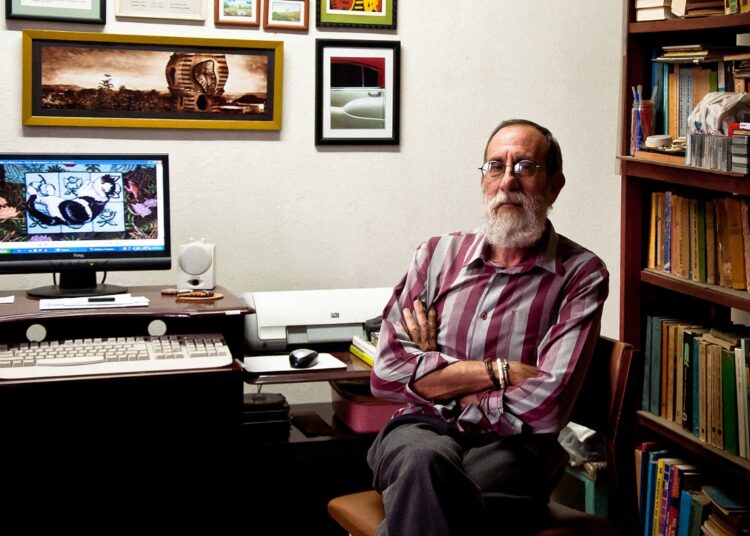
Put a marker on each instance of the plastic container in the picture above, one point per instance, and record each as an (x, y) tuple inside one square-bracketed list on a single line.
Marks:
[(641, 124)]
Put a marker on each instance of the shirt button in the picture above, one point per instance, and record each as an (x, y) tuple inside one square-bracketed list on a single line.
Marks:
[(483, 316)]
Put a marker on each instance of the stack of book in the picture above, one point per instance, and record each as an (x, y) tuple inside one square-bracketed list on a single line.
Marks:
[(363, 349), (740, 150), (646, 10), (700, 8)]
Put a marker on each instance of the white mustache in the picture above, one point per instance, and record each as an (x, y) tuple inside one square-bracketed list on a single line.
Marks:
[(507, 197)]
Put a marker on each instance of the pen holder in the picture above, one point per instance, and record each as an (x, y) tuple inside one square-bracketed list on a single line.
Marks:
[(641, 124)]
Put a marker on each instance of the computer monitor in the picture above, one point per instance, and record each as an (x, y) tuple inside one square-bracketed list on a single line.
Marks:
[(79, 214)]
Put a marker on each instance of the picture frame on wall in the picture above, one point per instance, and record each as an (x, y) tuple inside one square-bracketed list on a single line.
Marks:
[(286, 14), (237, 12), (90, 12), (161, 9), (373, 14), (108, 80), (357, 92)]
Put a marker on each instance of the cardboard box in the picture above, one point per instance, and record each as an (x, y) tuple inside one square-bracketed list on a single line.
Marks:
[(355, 406)]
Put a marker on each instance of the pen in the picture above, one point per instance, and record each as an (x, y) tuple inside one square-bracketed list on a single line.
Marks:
[(103, 299)]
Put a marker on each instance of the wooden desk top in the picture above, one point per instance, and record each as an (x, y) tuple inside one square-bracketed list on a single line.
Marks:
[(26, 308)]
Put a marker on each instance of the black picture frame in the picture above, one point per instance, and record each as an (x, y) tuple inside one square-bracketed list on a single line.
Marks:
[(357, 92), (95, 14)]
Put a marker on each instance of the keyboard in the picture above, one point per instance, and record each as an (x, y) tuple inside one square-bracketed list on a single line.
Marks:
[(115, 355)]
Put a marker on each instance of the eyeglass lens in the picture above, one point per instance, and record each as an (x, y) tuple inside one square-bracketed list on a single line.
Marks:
[(523, 169)]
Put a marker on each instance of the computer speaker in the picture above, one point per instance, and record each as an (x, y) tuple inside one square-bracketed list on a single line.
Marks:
[(195, 266)]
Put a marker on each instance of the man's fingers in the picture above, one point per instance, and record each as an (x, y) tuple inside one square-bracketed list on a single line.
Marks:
[(432, 328), (411, 325)]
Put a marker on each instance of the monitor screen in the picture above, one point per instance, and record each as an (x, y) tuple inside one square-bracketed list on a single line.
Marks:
[(74, 215)]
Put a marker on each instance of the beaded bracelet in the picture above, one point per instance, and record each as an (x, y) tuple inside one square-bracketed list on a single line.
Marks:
[(491, 373)]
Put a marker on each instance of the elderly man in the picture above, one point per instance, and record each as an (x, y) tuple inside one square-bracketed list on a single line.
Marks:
[(487, 339)]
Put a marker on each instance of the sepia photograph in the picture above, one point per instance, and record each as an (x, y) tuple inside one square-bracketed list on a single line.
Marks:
[(74, 79)]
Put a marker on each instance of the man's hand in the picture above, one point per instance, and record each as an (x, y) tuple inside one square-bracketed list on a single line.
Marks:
[(422, 330)]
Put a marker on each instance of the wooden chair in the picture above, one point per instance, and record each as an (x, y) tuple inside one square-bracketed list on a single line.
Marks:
[(603, 405)]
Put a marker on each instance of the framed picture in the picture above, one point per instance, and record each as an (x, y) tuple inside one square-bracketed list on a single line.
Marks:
[(161, 9), (374, 14), (233, 12), (88, 11), (357, 92), (110, 80), (286, 14)]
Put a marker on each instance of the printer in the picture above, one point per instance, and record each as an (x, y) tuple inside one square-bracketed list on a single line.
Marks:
[(308, 317)]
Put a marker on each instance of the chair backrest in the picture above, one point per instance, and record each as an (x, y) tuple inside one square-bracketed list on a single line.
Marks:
[(604, 405)]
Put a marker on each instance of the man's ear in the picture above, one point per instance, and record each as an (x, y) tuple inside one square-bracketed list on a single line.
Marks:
[(556, 183)]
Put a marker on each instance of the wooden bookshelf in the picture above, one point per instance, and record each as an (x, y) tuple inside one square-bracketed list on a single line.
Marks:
[(644, 291)]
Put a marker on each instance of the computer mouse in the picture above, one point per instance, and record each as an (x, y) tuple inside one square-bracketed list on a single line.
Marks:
[(303, 358)]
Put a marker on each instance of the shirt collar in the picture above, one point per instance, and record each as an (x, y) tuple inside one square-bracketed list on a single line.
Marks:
[(545, 257)]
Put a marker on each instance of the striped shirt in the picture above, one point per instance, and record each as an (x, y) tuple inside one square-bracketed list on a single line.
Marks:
[(544, 312)]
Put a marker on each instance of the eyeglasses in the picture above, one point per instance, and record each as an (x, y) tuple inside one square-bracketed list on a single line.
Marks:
[(523, 169)]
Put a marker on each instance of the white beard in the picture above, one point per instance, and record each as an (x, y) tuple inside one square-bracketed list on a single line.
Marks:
[(514, 230)]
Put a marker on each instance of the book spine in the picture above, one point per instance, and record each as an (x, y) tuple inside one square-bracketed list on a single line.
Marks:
[(361, 355)]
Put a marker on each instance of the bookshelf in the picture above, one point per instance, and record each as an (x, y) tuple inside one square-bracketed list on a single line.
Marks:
[(645, 291)]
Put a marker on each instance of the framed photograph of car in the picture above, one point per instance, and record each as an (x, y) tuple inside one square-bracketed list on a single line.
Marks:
[(373, 14), (237, 12), (357, 92), (110, 80), (91, 12), (286, 14)]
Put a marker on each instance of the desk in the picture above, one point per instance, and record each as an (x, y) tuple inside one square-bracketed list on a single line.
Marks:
[(109, 453)]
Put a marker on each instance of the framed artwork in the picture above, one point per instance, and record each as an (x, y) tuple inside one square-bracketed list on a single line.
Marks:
[(286, 14), (357, 92), (161, 9), (88, 11), (110, 80), (374, 14), (234, 12)]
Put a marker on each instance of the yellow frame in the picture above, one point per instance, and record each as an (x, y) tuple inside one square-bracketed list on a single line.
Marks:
[(32, 37)]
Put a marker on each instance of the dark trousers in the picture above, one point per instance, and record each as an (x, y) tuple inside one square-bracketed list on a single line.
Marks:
[(438, 481)]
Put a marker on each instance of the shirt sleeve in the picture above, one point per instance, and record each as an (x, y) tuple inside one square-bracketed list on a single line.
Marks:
[(543, 404), (400, 362)]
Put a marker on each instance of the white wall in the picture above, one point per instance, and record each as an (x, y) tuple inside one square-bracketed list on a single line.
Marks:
[(286, 214)]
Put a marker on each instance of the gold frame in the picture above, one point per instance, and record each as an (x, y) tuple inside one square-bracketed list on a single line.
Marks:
[(229, 116)]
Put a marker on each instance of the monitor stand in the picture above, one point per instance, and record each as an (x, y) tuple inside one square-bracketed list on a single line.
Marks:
[(76, 284)]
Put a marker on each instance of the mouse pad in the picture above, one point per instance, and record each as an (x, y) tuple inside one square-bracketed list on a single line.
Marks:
[(280, 363)]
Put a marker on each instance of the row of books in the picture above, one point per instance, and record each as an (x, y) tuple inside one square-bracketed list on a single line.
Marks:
[(678, 498), (647, 10), (706, 240), (364, 350), (697, 377)]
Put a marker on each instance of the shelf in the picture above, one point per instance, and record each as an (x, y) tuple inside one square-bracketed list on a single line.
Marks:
[(693, 177), (355, 370), (716, 22), (739, 299), (734, 465)]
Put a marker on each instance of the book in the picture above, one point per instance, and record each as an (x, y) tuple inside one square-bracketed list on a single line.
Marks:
[(647, 517), (682, 477), (641, 4), (693, 509), (653, 13), (362, 356)]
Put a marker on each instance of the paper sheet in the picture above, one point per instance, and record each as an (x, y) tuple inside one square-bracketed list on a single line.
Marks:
[(280, 363), (94, 302)]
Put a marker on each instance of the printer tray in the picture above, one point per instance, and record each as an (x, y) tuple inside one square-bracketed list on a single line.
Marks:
[(358, 409)]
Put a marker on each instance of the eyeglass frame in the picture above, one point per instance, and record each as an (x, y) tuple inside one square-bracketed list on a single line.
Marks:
[(513, 169)]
